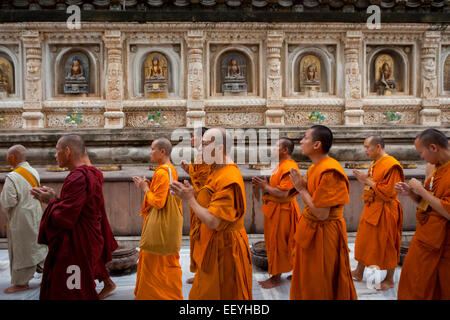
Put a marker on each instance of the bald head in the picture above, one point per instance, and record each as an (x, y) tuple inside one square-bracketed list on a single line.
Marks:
[(163, 144), (376, 140), (75, 143), (287, 143), (433, 136), (16, 154), (221, 137)]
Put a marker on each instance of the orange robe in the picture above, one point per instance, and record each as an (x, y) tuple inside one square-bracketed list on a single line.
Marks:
[(426, 270), (380, 226), (223, 254), (158, 277), (321, 254), (280, 218), (199, 174)]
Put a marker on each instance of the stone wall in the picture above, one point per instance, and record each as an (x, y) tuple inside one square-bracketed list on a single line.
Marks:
[(346, 49)]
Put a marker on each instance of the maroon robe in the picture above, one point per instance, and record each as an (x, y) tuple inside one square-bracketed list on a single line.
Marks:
[(77, 233)]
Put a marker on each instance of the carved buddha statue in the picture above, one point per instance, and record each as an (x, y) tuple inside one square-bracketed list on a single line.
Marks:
[(156, 82), (386, 83), (75, 81), (234, 77), (4, 83)]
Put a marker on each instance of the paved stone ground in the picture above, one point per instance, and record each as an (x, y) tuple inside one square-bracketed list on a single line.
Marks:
[(125, 284)]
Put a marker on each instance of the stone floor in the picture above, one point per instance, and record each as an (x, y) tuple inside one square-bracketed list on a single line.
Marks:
[(125, 284)]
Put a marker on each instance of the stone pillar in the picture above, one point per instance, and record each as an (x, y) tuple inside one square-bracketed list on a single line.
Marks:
[(114, 116), (275, 111), (195, 114), (32, 115), (430, 115), (353, 113)]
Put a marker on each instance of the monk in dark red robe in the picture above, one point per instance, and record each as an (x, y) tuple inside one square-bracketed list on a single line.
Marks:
[(75, 229)]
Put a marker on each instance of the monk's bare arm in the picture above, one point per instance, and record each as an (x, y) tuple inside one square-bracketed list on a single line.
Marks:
[(435, 203), (278, 193), (204, 215), (320, 213)]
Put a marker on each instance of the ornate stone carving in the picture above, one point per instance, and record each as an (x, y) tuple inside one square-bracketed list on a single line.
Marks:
[(140, 119), (114, 115), (236, 119), (275, 113), (195, 106), (352, 78), (430, 114)]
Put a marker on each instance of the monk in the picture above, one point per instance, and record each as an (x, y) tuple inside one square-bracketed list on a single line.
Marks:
[(281, 212), (198, 172), (158, 277), (72, 227), (222, 255), (380, 226), (321, 255), (45, 194), (426, 270), (24, 214)]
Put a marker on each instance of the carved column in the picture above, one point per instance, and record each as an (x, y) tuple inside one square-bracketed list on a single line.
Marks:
[(195, 115), (430, 115), (275, 112), (32, 115), (114, 116), (353, 113)]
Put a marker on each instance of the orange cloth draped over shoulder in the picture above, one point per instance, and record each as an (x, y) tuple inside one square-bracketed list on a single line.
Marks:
[(321, 255), (223, 254), (380, 226), (280, 218), (158, 277), (198, 173), (426, 270)]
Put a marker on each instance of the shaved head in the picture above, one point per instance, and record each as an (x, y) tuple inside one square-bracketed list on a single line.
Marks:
[(287, 143), (164, 144), (221, 138), (433, 136), (19, 152), (75, 143), (375, 140)]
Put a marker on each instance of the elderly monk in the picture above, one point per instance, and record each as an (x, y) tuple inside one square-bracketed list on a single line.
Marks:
[(24, 215), (321, 254), (426, 270), (72, 226), (158, 277), (380, 226), (198, 172), (281, 212), (222, 254)]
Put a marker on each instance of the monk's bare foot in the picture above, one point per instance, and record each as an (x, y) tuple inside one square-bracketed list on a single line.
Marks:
[(289, 277), (386, 285), (108, 288), (270, 283), (14, 289), (190, 281), (357, 276)]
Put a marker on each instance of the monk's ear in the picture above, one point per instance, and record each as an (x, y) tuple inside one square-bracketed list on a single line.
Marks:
[(317, 145), (433, 147)]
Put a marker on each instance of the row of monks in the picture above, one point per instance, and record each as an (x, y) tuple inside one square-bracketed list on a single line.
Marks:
[(312, 244)]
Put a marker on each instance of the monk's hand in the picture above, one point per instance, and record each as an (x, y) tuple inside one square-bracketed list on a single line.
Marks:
[(184, 166), (416, 186), (297, 180), (184, 191), (402, 189), (260, 183), (141, 183), (361, 176), (44, 193)]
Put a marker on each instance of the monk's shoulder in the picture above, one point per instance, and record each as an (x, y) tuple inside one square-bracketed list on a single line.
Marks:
[(287, 165), (389, 162), (226, 177), (331, 166)]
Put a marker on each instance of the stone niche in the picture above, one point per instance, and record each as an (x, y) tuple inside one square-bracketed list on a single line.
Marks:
[(389, 71), (233, 70), (10, 77), (155, 72), (76, 71), (311, 70), (445, 71)]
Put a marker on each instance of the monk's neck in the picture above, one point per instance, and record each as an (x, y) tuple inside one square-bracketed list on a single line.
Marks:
[(444, 157), (75, 164), (316, 158), (163, 161), (381, 155), (284, 158)]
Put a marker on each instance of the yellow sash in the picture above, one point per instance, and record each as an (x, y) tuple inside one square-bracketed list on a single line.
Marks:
[(27, 176)]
